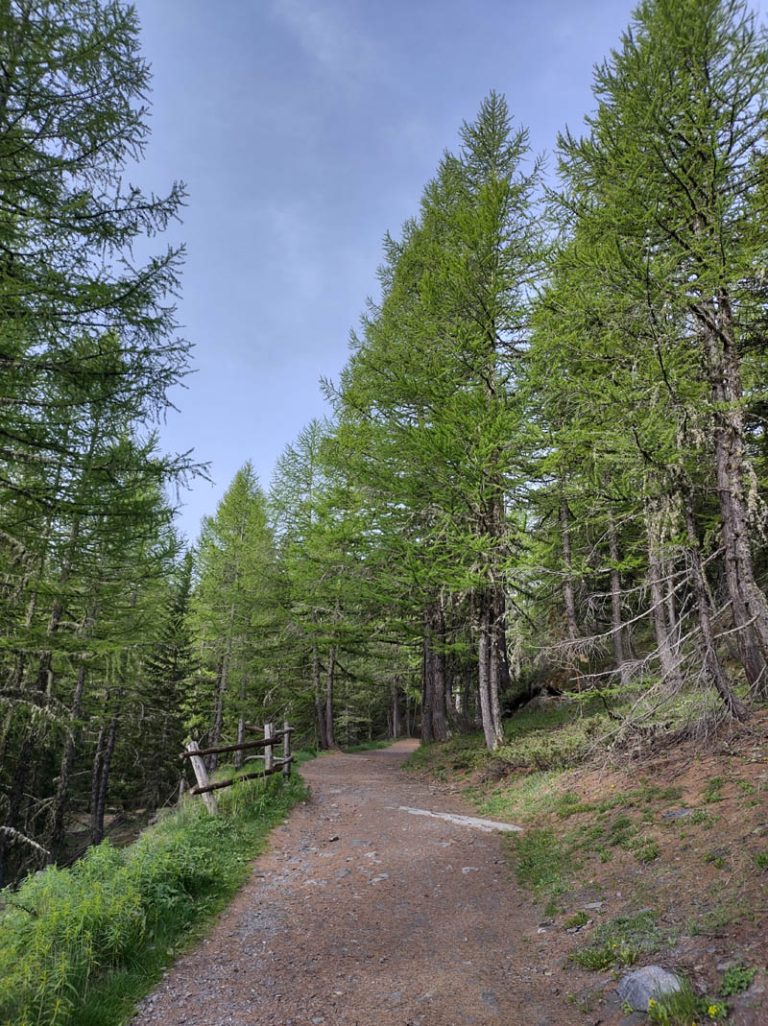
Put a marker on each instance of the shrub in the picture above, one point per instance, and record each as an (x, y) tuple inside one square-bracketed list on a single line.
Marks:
[(736, 979)]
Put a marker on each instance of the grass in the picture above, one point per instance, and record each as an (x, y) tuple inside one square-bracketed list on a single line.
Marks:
[(713, 790), (576, 921), (82, 945), (701, 818), (542, 863), (365, 746), (686, 1007), (620, 942), (524, 797), (554, 738), (551, 738)]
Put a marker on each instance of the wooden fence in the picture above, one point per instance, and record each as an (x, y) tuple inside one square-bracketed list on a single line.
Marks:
[(272, 764)]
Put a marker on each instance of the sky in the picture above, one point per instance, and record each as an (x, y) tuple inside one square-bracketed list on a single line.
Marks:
[(304, 130)]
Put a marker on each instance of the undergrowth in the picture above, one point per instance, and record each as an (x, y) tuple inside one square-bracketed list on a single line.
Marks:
[(81, 945)]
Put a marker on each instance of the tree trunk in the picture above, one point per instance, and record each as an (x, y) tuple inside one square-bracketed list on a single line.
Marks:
[(748, 603), (15, 802), (617, 627), (395, 721), (61, 798), (101, 782), (218, 712), (488, 673), (320, 731), (569, 599), (712, 664), (330, 679), (433, 723), (240, 756), (664, 646)]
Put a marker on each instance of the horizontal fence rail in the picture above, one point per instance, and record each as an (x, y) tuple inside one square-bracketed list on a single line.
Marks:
[(205, 786)]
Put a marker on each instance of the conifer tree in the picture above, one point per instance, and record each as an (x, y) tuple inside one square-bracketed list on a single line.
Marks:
[(232, 608), (664, 193)]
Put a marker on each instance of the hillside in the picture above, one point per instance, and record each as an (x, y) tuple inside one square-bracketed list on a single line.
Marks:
[(652, 853)]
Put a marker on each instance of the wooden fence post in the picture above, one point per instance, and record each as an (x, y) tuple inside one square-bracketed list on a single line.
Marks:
[(286, 749), (201, 774), (269, 751)]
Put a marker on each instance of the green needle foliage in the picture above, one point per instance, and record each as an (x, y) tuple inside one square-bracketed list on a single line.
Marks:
[(88, 352)]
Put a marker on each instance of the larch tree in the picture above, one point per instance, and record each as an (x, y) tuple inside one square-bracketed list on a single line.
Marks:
[(88, 351), (428, 398)]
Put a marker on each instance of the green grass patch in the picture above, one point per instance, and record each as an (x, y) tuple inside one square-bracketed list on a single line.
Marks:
[(542, 863), (524, 797), (713, 790), (620, 942), (365, 746), (702, 818), (465, 751), (82, 945), (553, 738), (646, 850), (578, 919)]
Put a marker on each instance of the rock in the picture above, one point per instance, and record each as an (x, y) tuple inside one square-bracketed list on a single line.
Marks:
[(651, 981), (490, 999), (332, 838), (677, 813), (635, 1019)]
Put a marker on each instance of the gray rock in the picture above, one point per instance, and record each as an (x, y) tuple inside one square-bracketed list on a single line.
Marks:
[(651, 981), (635, 1019), (490, 999), (677, 813)]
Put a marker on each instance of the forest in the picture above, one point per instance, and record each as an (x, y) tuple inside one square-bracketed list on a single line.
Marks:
[(543, 468)]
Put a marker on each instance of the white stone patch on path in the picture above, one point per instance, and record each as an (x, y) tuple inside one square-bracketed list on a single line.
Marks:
[(486, 825)]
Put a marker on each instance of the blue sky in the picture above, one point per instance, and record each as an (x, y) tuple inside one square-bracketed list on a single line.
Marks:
[(304, 130)]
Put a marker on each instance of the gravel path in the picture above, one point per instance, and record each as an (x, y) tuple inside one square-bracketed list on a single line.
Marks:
[(362, 914)]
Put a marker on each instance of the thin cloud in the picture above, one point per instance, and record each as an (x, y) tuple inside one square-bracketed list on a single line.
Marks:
[(327, 36)]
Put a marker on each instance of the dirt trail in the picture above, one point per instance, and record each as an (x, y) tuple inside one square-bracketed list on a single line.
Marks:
[(361, 914)]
